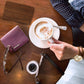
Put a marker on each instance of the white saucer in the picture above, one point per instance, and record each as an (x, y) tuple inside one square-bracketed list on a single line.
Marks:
[(37, 42)]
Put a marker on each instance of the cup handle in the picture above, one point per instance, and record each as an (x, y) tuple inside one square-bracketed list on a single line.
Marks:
[(51, 40)]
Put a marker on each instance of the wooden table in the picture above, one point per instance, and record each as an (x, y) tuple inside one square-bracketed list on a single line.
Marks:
[(48, 73)]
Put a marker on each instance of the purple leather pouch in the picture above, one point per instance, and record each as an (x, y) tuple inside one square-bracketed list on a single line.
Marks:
[(15, 38)]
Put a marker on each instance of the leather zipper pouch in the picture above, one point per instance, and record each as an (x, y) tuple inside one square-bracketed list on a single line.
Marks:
[(15, 38)]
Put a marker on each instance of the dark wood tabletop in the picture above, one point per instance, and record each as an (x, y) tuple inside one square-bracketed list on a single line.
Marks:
[(40, 8)]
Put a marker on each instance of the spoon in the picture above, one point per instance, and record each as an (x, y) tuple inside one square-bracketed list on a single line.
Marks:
[(61, 27)]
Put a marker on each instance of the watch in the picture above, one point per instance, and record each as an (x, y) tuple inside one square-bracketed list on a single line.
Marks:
[(79, 57)]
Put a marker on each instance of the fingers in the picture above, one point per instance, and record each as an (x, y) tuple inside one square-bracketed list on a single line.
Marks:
[(56, 46), (57, 53), (56, 41)]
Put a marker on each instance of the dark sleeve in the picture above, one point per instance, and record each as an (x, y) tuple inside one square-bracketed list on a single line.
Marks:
[(82, 11), (73, 17)]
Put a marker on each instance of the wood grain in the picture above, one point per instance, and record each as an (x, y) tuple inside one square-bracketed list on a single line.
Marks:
[(18, 12)]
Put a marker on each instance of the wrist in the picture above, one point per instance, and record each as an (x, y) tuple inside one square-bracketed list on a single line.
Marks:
[(81, 51), (76, 51)]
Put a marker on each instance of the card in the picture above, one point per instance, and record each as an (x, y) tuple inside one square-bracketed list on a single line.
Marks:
[(18, 13)]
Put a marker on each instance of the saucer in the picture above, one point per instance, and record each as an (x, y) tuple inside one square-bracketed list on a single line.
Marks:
[(36, 41)]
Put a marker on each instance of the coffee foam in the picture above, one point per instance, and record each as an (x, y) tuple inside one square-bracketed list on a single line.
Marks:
[(44, 31)]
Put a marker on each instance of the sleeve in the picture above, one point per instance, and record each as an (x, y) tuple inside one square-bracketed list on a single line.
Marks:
[(82, 11), (73, 17), (78, 5)]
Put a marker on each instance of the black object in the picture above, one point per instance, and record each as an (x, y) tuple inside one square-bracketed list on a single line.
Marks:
[(52, 62), (78, 37), (32, 67)]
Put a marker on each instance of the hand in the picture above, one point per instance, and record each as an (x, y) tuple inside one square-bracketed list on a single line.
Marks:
[(63, 50)]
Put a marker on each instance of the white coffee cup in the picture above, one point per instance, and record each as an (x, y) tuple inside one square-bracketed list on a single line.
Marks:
[(44, 31), (32, 67)]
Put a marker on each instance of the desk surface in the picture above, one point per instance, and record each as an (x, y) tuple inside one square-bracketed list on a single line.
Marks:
[(48, 73)]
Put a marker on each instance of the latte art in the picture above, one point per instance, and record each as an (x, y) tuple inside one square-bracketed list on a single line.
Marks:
[(43, 31)]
